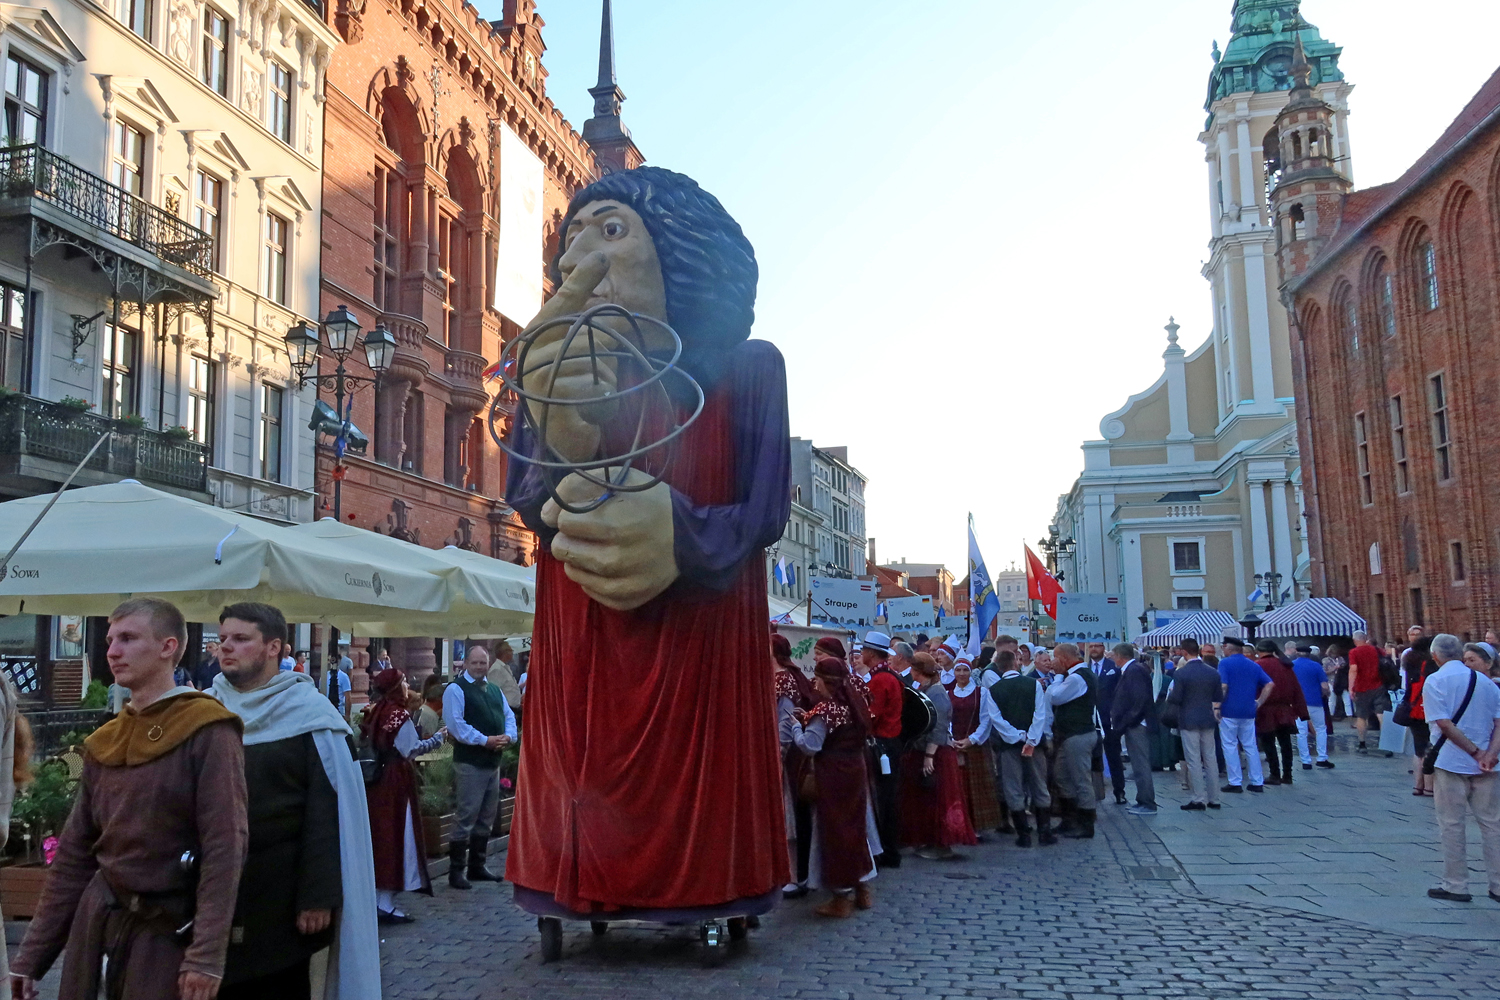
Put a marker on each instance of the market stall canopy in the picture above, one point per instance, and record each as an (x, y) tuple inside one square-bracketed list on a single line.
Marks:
[(101, 545), (485, 597), (1205, 626), (1310, 617)]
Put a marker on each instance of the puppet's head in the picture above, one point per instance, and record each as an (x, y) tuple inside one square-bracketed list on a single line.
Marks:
[(708, 268)]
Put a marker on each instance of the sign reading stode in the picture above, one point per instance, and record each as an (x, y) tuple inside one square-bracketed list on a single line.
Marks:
[(902, 613)]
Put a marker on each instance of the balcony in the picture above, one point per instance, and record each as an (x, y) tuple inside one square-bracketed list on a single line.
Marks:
[(42, 441), (124, 236)]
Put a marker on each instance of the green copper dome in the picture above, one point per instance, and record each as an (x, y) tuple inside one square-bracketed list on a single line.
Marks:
[(1258, 58)]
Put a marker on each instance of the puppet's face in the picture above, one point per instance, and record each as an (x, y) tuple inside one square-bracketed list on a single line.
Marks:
[(634, 280)]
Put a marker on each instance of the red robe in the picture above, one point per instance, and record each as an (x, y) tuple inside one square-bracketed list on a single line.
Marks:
[(650, 772)]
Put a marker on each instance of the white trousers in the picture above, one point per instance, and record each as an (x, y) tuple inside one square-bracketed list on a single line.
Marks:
[(1319, 726), (1234, 733)]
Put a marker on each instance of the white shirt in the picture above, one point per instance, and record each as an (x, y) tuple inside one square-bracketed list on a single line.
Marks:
[(1441, 696), (945, 677), (1070, 687), (453, 717), (991, 719)]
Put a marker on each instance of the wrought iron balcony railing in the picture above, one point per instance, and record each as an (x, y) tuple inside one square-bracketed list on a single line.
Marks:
[(44, 429), (32, 171)]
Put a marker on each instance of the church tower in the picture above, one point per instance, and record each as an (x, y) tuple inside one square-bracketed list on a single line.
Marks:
[(606, 133), (1250, 86), (1307, 187)]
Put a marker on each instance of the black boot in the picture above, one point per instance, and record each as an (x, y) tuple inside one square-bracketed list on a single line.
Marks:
[(457, 852), (1044, 834), (1069, 818), (1023, 829), (1085, 828), (478, 848)]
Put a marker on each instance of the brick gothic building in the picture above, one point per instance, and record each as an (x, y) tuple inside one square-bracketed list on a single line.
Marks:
[(448, 172), (1393, 292)]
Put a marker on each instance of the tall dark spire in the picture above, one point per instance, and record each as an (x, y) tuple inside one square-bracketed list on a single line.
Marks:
[(606, 133)]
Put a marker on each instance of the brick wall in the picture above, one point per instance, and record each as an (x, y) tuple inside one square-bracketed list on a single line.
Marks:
[(1454, 205)]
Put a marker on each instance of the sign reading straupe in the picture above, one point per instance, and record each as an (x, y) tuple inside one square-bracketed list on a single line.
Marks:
[(848, 602), (904, 613), (1090, 617)]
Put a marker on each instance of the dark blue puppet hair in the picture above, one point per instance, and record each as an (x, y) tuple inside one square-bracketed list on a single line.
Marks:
[(707, 265)]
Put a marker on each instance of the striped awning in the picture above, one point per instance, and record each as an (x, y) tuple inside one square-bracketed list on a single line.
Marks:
[(1205, 626), (1313, 616)]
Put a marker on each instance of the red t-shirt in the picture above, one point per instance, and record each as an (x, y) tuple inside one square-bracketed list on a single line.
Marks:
[(1366, 660), (885, 704)]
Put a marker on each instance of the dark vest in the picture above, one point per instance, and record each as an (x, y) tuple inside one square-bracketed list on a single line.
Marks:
[(1072, 718), (1016, 699), (484, 709)]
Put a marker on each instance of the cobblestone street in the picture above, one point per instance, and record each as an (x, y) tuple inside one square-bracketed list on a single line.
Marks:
[(1117, 916)]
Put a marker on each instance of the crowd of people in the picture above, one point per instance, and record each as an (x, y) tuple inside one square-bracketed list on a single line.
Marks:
[(1022, 737)]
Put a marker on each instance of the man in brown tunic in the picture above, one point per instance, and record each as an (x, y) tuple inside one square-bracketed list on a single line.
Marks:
[(165, 778)]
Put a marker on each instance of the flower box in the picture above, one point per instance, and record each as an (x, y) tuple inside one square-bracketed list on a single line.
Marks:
[(21, 888), (436, 832), (504, 815)]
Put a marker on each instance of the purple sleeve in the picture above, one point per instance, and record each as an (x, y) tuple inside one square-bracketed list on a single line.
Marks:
[(711, 541)]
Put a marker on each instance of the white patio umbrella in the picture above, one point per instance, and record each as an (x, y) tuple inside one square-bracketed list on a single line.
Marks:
[(485, 596), (101, 545)]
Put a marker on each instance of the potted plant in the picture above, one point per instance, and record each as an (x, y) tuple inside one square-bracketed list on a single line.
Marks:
[(436, 800), (510, 766), (39, 813), (133, 422), (72, 406), (177, 435)]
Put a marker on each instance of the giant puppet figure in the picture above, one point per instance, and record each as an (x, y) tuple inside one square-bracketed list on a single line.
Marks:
[(650, 778)]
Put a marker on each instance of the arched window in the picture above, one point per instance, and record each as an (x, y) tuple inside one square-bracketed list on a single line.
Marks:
[(1428, 275), (1351, 322), (1385, 299)]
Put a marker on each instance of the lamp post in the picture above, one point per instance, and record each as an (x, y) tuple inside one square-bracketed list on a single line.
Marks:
[(1147, 616), (1270, 585), (340, 328)]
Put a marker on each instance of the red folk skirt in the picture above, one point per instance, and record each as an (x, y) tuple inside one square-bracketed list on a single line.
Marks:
[(843, 774), (650, 771), (389, 800), (934, 816)]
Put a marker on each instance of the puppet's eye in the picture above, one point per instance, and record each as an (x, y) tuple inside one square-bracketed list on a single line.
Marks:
[(613, 229)]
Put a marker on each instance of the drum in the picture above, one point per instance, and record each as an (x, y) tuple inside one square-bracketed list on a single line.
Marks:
[(917, 715)]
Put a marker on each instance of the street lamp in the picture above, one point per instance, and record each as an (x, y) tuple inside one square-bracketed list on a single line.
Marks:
[(1270, 585), (341, 333)]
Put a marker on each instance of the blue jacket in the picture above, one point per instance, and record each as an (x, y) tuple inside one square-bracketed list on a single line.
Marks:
[(1132, 701)]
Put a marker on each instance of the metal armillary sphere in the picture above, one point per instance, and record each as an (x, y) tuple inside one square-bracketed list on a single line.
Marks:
[(641, 386)]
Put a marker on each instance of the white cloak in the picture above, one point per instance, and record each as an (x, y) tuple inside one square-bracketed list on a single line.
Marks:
[(289, 705)]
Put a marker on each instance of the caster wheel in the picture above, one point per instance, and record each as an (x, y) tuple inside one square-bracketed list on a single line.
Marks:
[(752, 922), (551, 930), (737, 928), (712, 935), (599, 927)]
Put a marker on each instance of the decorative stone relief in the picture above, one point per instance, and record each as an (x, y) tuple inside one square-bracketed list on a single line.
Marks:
[(180, 31), (250, 92)]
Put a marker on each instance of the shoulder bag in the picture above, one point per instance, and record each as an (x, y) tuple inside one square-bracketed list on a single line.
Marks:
[(1429, 762)]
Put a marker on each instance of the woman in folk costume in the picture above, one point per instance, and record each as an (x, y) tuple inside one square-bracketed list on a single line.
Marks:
[(829, 646), (844, 840), (933, 817), (970, 704), (395, 833), (793, 692), (946, 654)]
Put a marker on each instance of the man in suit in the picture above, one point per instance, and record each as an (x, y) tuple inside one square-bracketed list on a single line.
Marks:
[(1108, 673), (1131, 706)]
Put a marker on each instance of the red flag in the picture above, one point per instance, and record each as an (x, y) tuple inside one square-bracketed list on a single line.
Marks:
[(1040, 585)]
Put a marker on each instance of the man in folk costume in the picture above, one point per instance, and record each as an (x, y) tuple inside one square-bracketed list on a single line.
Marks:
[(479, 717), (653, 787), (147, 866), (309, 880)]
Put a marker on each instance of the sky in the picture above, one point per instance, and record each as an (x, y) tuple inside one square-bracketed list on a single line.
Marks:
[(973, 218)]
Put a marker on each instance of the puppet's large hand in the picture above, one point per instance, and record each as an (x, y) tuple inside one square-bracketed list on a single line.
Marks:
[(620, 554), (572, 431)]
